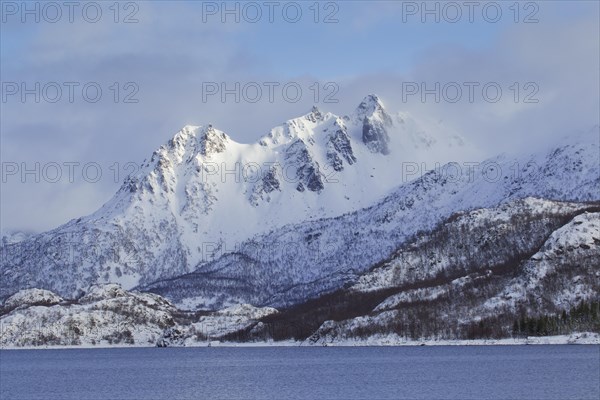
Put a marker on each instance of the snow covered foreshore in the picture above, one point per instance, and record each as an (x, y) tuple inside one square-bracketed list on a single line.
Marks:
[(590, 338), (582, 338)]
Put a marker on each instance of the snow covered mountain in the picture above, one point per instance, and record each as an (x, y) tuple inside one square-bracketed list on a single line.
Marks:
[(513, 266), (506, 247), (301, 261), (202, 194)]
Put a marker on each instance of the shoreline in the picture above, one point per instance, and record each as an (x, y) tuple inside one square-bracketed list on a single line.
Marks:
[(580, 338)]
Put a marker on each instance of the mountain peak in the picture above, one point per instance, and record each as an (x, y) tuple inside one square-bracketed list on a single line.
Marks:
[(212, 140), (314, 115), (375, 122), (369, 105), (372, 98)]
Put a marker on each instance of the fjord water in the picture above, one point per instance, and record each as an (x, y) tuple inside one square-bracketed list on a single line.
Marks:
[(435, 372)]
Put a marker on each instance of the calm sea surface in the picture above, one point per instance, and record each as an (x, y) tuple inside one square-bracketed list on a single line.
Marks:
[(454, 372)]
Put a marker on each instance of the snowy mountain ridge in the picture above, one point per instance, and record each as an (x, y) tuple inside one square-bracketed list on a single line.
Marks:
[(202, 194), (301, 261)]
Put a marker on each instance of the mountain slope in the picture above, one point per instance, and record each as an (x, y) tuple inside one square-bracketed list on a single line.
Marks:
[(471, 277), (202, 194), (560, 296), (302, 261)]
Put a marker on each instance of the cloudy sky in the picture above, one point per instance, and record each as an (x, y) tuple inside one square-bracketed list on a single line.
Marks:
[(156, 62)]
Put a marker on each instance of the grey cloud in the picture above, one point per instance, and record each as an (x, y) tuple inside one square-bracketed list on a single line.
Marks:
[(169, 54)]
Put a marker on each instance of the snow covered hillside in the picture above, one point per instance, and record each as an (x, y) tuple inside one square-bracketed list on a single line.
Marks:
[(105, 315), (528, 267), (476, 276), (108, 315)]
